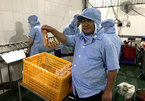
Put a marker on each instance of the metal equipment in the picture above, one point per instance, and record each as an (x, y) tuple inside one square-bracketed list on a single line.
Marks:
[(11, 53), (143, 63), (129, 50), (112, 3), (20, 95)]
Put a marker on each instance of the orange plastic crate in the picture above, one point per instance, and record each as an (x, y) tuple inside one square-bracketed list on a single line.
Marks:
[(39, 75)]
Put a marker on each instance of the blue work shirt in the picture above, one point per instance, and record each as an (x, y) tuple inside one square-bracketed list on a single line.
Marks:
[(116, 41), (38, 44), (70, 29), (90, 64), (111, 34)]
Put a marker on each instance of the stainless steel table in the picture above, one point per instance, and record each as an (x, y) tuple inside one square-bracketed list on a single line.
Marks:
[(20, 94)]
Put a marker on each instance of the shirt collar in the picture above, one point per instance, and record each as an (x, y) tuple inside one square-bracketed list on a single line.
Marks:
[(90, 38)]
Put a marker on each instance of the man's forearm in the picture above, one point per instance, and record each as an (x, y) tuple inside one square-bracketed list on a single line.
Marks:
[(29, 46), (107, 95), (60, 36), (31, 40), (111, 80)]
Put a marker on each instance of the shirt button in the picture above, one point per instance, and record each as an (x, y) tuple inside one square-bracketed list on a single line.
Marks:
[(95, 36), (83, 46), (79, 56), (74, 65)]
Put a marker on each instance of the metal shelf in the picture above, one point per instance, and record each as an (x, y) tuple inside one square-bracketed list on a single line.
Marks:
[(20, 94)]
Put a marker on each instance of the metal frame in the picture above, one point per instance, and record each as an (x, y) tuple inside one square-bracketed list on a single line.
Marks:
[(112, 3), (129, 36), (20, 94), (10, 82), (143, 62), (4, 49), (1, 78)]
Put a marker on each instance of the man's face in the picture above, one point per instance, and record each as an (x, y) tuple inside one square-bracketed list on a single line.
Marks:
[(88, 26), (31, 22)]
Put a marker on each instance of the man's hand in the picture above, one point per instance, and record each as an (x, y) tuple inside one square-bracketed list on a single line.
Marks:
[(60, 36), (27, 52), (107, 96), (47, 28)]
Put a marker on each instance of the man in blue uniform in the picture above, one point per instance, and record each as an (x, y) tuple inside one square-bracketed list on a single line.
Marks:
[(95, 62), (109, 31), (36, 41), (70, 29)]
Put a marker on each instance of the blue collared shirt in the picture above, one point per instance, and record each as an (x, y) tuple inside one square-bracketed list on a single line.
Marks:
[(91, 63), (38, 44), (116, 41), (111, 34)]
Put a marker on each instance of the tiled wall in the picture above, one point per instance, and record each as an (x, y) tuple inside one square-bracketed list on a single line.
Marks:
[(56, 13)]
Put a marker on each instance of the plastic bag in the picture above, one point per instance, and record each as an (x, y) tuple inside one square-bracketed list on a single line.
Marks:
[(126, 90)]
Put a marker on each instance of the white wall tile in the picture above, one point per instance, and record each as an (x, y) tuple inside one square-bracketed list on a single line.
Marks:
[(41, 19), (41, 7), (2, 41), (5, 5), (17, 5), (17, 17), (7, 21), (1, 26), (26, 25), (34, 6), (26, 6), (65, 2)]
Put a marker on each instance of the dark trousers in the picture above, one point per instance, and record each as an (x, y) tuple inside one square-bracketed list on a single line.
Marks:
[(97, 97)]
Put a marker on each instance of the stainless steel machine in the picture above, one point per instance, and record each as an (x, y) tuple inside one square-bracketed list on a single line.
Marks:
[(10, 54)]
